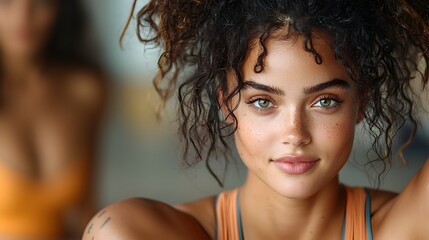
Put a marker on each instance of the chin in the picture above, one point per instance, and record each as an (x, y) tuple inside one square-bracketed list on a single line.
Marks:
[(296, 192), (295, 187), (301, 187)]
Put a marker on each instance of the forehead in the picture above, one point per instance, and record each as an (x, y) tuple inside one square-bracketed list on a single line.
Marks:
[(287, 59)]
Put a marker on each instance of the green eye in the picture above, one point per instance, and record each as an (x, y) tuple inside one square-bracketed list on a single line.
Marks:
[(261, 104), (326, 103)]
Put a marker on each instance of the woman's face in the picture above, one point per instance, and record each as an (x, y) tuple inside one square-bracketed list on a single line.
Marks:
[(296, 119), (25, 25)]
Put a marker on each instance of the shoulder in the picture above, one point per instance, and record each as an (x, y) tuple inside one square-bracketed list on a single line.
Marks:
[(379, 199), (204, 212), (143, 218), (405, 215)]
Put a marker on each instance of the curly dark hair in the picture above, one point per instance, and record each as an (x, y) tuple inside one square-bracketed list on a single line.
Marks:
[(383, 44)]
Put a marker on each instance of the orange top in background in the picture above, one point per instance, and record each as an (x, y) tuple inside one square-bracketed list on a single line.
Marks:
[(357, 220), (36, 209)]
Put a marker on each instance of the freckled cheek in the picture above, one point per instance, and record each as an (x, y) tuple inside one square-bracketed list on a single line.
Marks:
[(249, 133), (252, 138), (335, 135)]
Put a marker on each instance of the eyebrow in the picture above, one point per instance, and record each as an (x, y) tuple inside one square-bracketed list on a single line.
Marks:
[(262, 87), (337, 83), (334, 83)]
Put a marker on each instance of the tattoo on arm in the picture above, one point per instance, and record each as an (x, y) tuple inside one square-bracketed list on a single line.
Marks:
[(105, 222), (101, 214), (91, 225), (90, 228)]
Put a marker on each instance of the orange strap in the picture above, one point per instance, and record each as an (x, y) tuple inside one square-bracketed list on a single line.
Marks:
[(356, 228), (226, 214), (355, 225)]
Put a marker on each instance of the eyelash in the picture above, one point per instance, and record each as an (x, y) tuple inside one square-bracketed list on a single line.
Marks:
[(251, 102), (329, 97)]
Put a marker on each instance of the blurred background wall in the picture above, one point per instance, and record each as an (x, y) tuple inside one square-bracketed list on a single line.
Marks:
[(140, 155)]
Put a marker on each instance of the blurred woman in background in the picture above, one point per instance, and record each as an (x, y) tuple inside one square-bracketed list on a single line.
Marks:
[(51, 100)]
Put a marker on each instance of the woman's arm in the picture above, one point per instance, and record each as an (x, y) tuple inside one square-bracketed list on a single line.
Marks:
[(406, 216), (138, 218), (416, 201)]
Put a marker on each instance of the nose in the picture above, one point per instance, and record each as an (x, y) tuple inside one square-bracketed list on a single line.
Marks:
[(296, 131)]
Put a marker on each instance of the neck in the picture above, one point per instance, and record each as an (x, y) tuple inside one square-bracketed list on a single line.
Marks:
[(268, 215)]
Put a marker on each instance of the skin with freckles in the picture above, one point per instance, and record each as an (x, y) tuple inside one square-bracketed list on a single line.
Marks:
[(294, 108), (319, 125)]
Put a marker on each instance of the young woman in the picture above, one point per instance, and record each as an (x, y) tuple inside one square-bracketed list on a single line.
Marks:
[(288, 80), (50, 105)]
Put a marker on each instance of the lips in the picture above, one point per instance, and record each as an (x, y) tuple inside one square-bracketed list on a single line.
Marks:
[(295, 165)]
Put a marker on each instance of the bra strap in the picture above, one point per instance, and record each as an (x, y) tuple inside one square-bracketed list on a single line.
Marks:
[(239, 223), (368, 214)]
